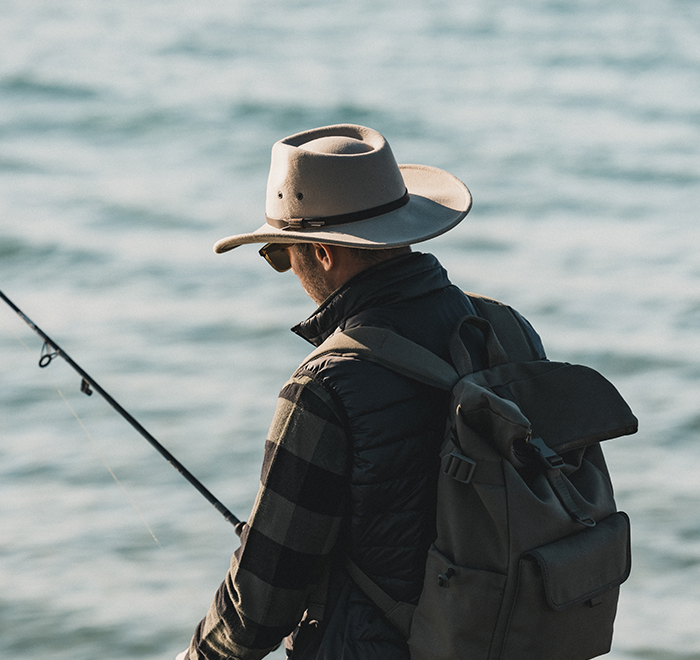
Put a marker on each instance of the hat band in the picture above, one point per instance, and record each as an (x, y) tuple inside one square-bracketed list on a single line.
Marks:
[(295, 224)]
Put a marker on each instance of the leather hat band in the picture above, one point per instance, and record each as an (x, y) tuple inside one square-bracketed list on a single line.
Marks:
[(295, 224)]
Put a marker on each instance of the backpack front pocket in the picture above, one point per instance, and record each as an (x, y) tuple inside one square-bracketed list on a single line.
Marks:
[(567, 594)]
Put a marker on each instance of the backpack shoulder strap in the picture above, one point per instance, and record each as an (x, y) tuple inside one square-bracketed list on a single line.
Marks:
[(391, 350), (507, 326), (399, 613)]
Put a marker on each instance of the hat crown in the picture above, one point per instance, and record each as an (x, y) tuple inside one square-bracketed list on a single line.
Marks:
[(336, 144), (331, 171)]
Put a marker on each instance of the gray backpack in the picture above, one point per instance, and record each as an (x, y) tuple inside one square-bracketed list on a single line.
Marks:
[(530, 549)]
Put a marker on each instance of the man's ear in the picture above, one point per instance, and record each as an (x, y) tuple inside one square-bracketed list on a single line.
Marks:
[(325, 254)]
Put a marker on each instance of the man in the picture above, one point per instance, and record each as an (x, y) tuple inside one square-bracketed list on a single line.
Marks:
[(351, 459)]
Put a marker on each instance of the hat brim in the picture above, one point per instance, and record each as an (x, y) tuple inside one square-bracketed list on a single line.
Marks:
[(438, 201)]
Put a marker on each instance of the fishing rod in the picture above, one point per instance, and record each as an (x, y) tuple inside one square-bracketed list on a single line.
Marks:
[(51, 349)]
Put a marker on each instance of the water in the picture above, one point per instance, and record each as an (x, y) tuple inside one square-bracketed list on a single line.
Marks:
[(135, 134)]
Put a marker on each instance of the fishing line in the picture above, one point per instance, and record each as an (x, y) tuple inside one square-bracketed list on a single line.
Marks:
[(193, 591), (94, 444)]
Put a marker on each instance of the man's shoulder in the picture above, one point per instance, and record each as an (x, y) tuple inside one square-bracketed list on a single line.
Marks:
[(306, 388)]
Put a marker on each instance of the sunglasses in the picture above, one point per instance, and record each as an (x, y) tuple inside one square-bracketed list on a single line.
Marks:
[(277, 255)]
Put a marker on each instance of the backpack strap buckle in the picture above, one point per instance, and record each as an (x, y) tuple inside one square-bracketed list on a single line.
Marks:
[(459, 467), (549, 457)]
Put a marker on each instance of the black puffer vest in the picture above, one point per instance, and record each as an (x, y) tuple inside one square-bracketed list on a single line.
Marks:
[(396, 426)]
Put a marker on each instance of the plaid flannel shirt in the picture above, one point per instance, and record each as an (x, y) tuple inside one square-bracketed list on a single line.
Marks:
[(293, 527)]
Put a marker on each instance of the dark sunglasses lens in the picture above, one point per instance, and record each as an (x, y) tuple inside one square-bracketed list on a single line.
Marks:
[(280, 259), (277, 256)]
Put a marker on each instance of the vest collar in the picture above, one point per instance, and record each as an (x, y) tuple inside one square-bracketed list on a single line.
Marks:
[(390, 282)]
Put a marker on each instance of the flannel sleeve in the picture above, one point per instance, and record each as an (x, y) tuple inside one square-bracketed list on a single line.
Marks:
[(292, 529)]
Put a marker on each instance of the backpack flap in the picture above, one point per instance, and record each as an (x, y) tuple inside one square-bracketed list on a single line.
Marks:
[(581, 567), (569, 406)]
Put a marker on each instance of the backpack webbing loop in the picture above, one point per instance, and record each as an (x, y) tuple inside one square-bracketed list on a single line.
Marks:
[(459, 353), (510, 332)]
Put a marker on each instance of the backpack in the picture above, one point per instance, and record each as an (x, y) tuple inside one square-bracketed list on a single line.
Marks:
[(530, 550)]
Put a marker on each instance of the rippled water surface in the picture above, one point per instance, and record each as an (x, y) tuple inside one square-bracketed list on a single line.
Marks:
[(133, 135)]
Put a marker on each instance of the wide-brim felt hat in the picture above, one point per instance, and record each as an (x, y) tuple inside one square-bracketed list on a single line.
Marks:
[(341, 185)]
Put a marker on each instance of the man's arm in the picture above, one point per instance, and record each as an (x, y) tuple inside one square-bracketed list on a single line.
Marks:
[(292, 529)]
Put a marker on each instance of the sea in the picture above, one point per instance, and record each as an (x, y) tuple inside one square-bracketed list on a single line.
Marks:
[(135, 134)]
